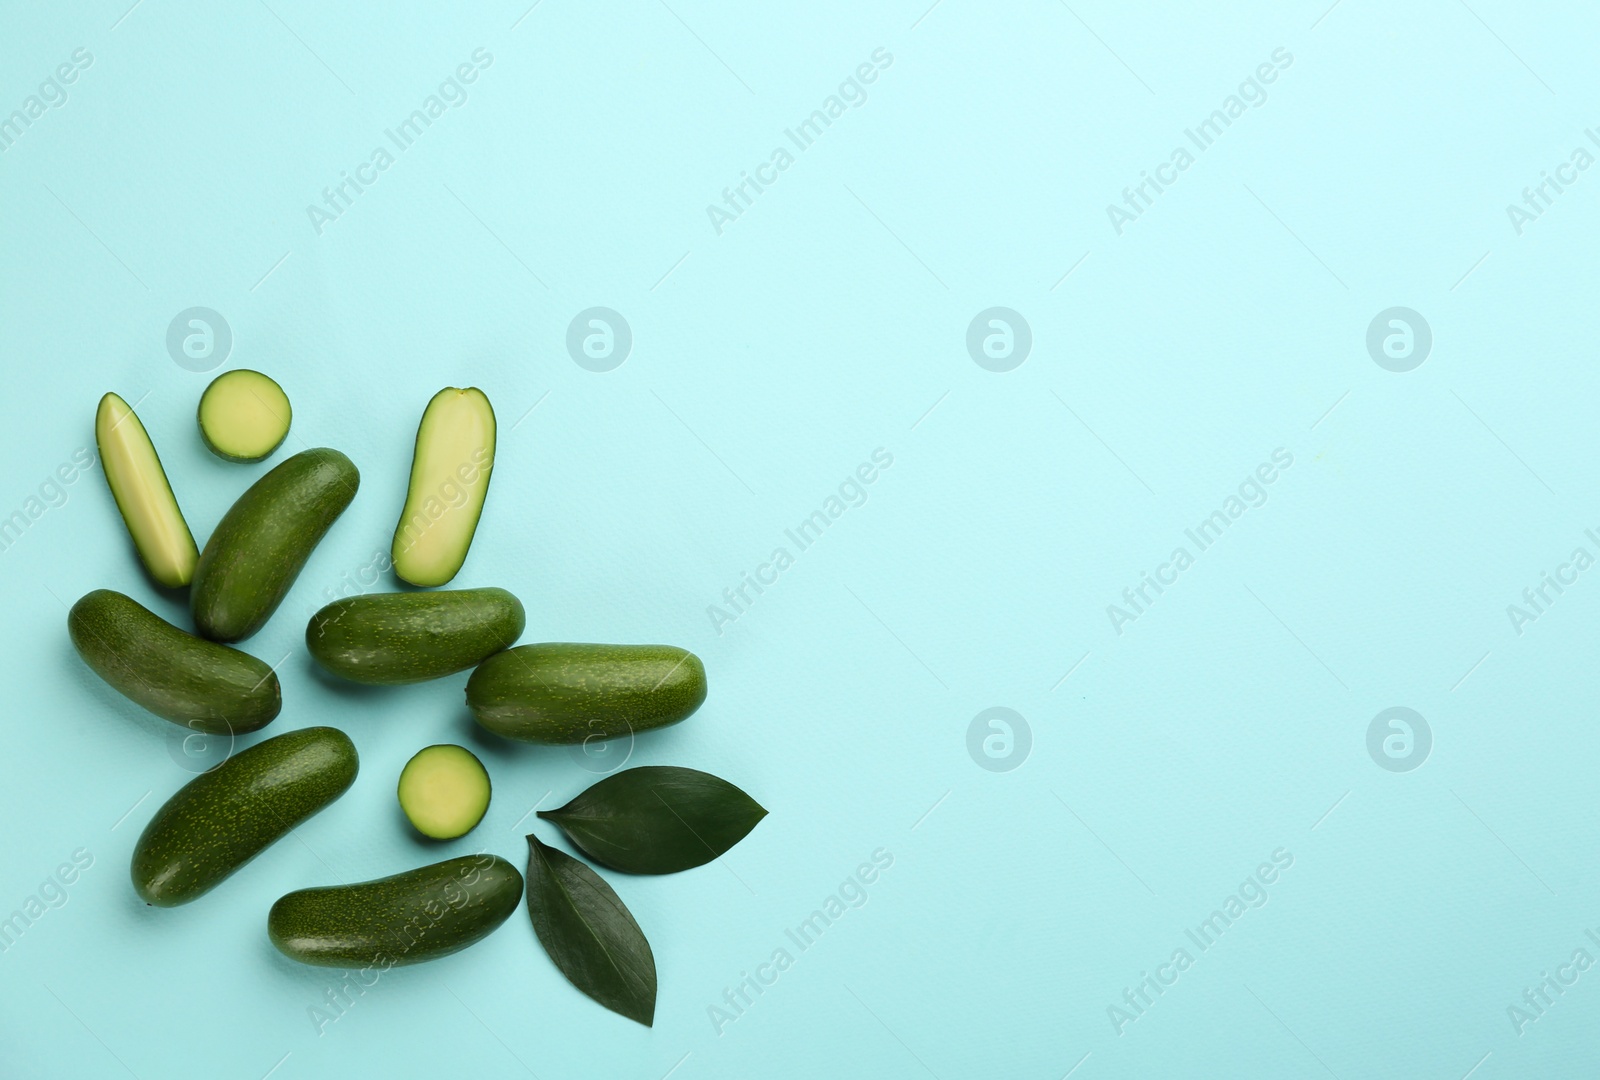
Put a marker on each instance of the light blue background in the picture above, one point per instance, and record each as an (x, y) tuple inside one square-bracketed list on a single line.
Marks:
[(768, 362)]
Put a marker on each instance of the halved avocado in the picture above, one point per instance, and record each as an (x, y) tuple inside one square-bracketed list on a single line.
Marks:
[(139, 484), (449, 479)]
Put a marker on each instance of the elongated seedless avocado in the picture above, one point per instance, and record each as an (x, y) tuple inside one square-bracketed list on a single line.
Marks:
[(144, 497), (191, 681), (263, 541), (450, 470), (419, 915), (222, 819), (562, 692), (391, 638)]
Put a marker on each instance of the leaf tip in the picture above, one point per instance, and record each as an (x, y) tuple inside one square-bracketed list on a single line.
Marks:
[(645, 1013)]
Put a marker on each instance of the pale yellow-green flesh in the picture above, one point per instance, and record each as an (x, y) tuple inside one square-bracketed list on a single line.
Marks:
[(444, 791), (449, 478), (144, 496), (244, 415)]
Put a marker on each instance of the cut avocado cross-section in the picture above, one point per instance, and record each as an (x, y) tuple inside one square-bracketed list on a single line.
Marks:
[(444, 791), (139, 484), (449, 479), (244, 415)]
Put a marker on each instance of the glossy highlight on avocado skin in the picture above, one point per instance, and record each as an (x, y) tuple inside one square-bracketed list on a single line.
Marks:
[(198, 684), (262, 542), (567, 692), (408, 918), (394, 638), (220, 820)]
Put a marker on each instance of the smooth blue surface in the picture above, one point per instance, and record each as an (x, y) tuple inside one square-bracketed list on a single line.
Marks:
[(1171, 755)]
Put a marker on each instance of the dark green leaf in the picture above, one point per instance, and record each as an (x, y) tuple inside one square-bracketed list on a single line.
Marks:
[(590, 934), (657, 819)]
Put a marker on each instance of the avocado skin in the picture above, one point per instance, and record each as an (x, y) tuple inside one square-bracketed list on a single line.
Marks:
[(265, 538), (566, 693), (199, 684), (409, 918), (222, 819), (395, 638)]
